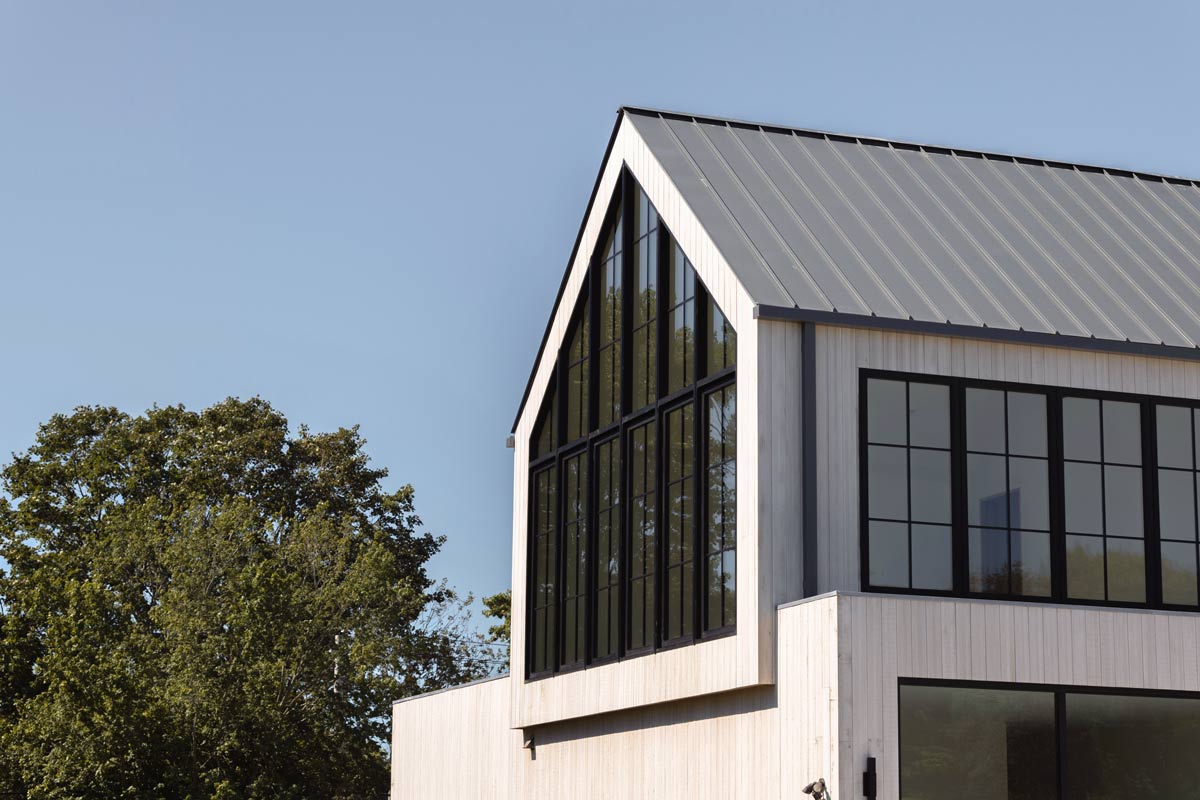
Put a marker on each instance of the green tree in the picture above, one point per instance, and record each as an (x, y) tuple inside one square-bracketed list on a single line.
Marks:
[(206, 605), (499, 607)]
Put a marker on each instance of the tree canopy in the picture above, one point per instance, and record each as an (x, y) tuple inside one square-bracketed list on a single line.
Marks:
[(205, 604)]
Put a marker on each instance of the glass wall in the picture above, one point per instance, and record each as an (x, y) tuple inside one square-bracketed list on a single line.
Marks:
[(1000, 743), (633, 513)]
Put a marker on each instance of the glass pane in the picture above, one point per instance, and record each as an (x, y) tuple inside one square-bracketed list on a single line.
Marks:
[(1179, 573), (1122, 432), (1029, 494), (887, 481), (1083, 496), (644, 366), (985, 420), (609, 390), (679, 600), (1177, 504), (987, 495), (1123, 501), (1081, 428), (886, 411), (932, 564), (1085, 567), (1126, 570), (888, 550), (977, 744), (1030, 563), (930, 485), (1132, 747), (1174, 436), (987, 556), (1027, 424), (929, 415), (722, 341), (546, 435)]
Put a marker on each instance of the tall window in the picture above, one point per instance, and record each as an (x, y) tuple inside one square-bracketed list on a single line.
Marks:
[(633, 529), (1039, 492), (908, 505)]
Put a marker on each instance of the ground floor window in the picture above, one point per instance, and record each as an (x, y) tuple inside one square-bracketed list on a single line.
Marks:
[(1002, 742)]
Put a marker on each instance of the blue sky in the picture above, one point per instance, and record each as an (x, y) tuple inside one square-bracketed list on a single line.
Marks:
[(361, 211)]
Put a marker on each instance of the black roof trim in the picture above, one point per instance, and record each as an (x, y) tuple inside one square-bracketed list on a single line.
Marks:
[(976, 332)]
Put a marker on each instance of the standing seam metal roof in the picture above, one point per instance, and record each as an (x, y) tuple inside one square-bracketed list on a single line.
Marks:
[(874, 228)]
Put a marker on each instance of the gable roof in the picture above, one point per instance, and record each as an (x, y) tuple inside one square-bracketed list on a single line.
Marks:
[(864, 231)]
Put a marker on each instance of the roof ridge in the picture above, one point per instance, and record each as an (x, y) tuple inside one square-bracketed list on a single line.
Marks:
[(882, 140)]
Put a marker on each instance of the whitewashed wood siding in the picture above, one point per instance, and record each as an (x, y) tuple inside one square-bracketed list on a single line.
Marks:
[(841, 352)]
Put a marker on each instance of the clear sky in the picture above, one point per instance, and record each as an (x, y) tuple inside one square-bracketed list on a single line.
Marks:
[(361, 211)]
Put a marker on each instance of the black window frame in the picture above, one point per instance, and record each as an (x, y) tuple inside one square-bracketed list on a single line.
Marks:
[(1147, 405), (1059, 691), (624, 202)]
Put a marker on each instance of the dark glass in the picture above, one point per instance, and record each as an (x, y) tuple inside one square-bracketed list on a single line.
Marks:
[(985, 420), (1081, 428), (932, 566), (678, 600), (577, 380), (608, 548), (987, 493), (887, 482), (1027, 432), (721, 482), (1131, 747), (888, 543), (1174, 437), (645, 305), (609, 332), (1123, 501), (545, 596), (1085, 567), (575, 550), (545, 439), (1028, 494), (887, 412), (681, 322), (1126, 564), (982, 744), (1177, 504), (929, 415), (1179, 573), (1122, 432), (987, 557), (1030, 559), (642, 535), (930, 471), (722, 341), (1084, 498)]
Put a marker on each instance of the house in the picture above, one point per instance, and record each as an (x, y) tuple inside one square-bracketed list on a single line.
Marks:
[(852, 461)]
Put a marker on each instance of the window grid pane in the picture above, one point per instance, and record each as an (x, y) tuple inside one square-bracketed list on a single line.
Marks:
[(608, 549), (721, 467), (643, 529), (609, 330), (681, 322), (574, 538), (645, 304), (1178, 482), (680, 507), (544, 598)]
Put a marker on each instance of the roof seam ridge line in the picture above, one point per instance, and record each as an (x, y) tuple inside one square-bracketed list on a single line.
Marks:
[(770, 182), (1182, 223), (1112, 181), (724, 207), (881, 140), (1186, 204), (1102, 284), (934, 233), (1017, 257), (757, 210), (1025, 231), (833, 262), (1117, 269), (921, 254), (831, 220), (1130, 252), (984, 256)]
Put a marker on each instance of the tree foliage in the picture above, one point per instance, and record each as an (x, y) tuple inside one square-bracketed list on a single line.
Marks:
[(499, 607), (207, 605)]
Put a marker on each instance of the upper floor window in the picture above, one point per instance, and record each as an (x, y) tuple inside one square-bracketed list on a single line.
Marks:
[(985, 489), (633, 532)]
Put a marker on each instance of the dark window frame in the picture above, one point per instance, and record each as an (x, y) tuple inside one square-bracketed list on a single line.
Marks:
[(1147, 405), (623, 202), (1059, 692)]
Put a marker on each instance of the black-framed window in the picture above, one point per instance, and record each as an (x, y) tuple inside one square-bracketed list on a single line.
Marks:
[(1031, 742), (1054, 493), (633, 458)]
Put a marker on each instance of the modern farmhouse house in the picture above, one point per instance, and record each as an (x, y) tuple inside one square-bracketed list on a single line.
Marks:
[(854, 462)]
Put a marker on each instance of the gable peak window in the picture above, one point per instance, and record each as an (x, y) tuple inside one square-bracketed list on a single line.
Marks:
[(633, 458)]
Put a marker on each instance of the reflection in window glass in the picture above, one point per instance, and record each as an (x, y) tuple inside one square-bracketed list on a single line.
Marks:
[(982, 744), (645, 303), (1106, 557), (574, 543), (721, 505), (608, 548), (909, 485), (643, 528), (1178, 479), (577, 377), (680, 507), (1008, 493), (543, 558), (722, 340), (681, 322), (545, 437), (609, 329)]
